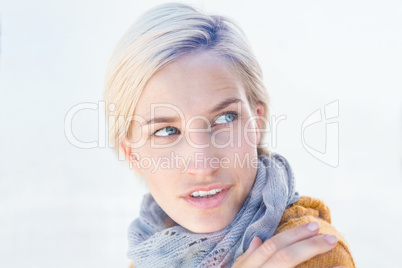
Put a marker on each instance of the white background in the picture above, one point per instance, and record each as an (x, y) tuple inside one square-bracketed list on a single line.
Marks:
[(62, 206)]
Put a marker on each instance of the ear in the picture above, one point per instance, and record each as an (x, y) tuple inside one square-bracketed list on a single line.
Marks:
[(130, 155), (259, 112)]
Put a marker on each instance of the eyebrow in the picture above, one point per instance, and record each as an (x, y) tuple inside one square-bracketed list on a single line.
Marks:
[(161, 119), (171, 119), (222, 105)]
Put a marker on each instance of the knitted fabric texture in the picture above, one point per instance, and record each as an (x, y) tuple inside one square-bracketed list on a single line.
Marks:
[(153, 244)]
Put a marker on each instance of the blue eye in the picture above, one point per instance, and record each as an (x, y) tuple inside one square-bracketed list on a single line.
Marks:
[(226, 118), (166, 131)]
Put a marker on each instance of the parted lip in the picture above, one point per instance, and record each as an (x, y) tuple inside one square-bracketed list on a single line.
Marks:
[(207, 187)]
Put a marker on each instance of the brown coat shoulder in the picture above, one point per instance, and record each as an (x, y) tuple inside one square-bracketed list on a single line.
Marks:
[(308, 209)]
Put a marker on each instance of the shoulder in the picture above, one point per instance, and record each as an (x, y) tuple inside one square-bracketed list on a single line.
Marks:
[(304, 210), (308, 209)]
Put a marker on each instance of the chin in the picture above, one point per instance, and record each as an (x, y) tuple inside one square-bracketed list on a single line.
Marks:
[(210, 224)]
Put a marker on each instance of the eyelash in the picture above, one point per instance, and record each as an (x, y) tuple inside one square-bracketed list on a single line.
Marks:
[(236, 115)]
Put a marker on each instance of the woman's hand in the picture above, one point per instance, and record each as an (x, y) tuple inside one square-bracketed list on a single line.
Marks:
[(287, 249)]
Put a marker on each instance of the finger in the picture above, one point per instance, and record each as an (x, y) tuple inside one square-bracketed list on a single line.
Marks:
[(302, 251), (279, 241), (255, 243)]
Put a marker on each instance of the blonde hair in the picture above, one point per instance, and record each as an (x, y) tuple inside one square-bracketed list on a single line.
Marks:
[(162, 35)]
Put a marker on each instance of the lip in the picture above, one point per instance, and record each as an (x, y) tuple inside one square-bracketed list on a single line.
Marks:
[(210, 202)]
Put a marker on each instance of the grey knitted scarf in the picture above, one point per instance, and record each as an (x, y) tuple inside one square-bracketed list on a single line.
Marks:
[(152, 244)]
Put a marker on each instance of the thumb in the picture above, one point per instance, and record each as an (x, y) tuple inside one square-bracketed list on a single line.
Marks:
[(255, 243)]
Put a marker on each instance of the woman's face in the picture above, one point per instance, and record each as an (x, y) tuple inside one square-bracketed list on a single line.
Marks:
[(194, 140)]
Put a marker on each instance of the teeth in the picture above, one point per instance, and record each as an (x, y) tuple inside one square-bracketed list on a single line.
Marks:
[(206, 193)]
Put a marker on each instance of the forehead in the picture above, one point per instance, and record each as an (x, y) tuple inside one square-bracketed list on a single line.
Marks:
[(192, 83)]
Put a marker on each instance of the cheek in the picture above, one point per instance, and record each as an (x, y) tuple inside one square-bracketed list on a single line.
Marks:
[(226, 137), (240, 135), (161, 185), (152, 160), (250, 134)]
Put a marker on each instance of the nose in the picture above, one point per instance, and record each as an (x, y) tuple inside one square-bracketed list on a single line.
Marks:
[(202, 166), (203, 160)]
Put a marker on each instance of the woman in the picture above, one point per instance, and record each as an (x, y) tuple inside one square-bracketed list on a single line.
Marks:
[(188, 108)]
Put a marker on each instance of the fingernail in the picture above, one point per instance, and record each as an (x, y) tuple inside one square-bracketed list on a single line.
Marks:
[(313, 226), (331, 239)]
